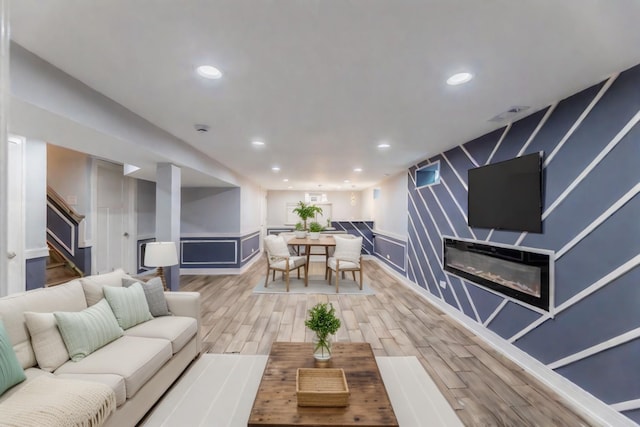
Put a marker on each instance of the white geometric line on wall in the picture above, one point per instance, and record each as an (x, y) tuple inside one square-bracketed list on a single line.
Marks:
[(435, 281), (436, 252), (473, 306), (495, 149), (465, 151), (610, 146), (521, 238), (600, 283), (412, 247), (446, 159), (362, 234), (464, 215), (580, 119), (444, 213), (599, 220), (367, 225), (628, 405), (495, 312), (489, 235), (537, 129), (605, 345)]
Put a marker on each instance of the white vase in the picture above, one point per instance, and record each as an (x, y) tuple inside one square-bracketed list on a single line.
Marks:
[(322, 352), (314, 236)]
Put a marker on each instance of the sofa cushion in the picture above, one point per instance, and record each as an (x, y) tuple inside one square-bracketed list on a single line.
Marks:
[(86, 331), (115, 382), (154, 293), (46, 340), (93, 285), (136, 359), (179, 330), (66, 297), (11, 372), (129, 305)]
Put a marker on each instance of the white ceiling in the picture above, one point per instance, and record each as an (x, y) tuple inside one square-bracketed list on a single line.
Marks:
[(322, 82)]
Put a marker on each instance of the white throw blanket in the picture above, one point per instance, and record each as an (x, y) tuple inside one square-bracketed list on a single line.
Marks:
[(49, 401)]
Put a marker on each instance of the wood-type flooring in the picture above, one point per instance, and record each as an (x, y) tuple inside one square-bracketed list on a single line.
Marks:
[(484, 387)]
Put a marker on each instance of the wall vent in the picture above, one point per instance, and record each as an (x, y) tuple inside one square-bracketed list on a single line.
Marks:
[(510, 113)]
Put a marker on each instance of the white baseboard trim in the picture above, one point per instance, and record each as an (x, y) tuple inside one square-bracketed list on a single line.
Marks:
[(32, 253), (576, 397)]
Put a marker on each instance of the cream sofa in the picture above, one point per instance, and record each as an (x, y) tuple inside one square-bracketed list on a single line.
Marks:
[(139, 366)]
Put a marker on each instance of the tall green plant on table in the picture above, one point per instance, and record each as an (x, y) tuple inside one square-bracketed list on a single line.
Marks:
[(306, 211), (323, 321)]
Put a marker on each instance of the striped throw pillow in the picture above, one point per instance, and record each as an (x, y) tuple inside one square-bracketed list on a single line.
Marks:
[(128, 304)]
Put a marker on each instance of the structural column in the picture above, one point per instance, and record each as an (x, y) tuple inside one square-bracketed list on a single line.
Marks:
[(168, 215), (4, 145)]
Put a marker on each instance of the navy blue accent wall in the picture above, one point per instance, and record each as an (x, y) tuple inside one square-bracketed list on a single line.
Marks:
[(362, 229), (66, 238), (249, 247), (391, 251), (591, 207), (35, 272)]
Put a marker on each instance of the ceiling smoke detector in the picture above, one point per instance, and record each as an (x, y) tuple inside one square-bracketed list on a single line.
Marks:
[(510, 113), (201, 128)]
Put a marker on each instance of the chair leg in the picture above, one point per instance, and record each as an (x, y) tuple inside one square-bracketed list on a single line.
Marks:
[(338, 275), (266, 278), (274, 276), (286, 274), (306, 277), (329, 276), (353, 273), (360, 276)]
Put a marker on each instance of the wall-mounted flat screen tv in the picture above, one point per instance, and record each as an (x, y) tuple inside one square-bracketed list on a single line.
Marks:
[(507, 195)]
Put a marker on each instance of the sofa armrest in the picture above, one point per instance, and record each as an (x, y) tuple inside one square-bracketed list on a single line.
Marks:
[(186, 304)]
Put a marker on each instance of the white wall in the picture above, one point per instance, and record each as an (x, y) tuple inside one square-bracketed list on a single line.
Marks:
[(390, 209), (342, 207), (146, 207), (35, 194), (210, 210), (252, 207)]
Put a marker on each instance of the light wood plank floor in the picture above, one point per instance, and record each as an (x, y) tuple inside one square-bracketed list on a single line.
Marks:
[(484, 387)]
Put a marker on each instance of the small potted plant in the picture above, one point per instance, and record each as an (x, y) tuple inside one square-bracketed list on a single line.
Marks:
[(323, 321), (306, 211), (314, 230), (299, 231)]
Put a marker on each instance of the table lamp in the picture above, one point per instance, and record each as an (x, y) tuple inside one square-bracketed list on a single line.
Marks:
[(160, 254)]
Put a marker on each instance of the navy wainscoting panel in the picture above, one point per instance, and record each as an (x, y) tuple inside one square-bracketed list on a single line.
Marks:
[(208, 252), (35, 272), (591, 206), (390, 250), (249, 247)]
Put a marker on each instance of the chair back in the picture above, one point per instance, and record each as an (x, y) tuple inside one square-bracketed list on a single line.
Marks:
[(276, 246), (348, 249)]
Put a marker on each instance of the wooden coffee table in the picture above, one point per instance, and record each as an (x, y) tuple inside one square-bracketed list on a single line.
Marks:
[(276, 403)]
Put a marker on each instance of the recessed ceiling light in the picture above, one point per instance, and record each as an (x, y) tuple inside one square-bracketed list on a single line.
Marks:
[(346, 181), (209, 72), (289, 187), (286, 180), (458, 79), (384, 145), (357, 169), (257, 143), (275, 169)]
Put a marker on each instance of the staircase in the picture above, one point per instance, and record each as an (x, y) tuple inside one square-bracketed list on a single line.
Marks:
[(59, 269)]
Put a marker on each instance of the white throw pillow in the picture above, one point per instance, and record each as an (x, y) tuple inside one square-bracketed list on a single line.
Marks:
[(92, 285), (48, 346)]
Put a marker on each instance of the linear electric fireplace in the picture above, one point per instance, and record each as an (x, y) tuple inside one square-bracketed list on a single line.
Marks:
[(522, 274)]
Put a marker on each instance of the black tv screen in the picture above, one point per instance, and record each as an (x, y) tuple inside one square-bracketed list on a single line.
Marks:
[(507, 195)]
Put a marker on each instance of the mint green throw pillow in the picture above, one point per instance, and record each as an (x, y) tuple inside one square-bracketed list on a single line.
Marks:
[(11, 373), (85, 331), (128, 304)]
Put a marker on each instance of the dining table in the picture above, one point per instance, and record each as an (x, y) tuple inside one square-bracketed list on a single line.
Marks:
[(325, 241)]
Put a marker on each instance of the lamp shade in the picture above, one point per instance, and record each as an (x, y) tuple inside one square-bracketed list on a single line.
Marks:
[(160, 254)]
